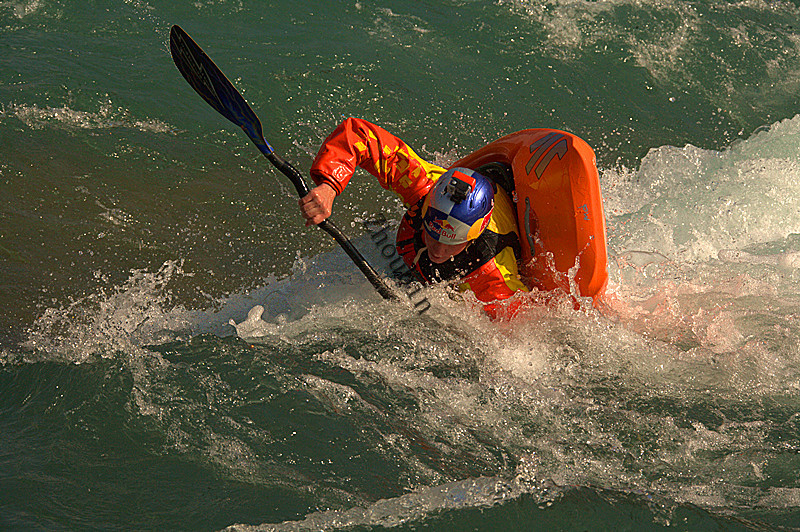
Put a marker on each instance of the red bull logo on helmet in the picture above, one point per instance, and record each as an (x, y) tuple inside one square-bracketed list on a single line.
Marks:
[(443, 229), (442, 225)]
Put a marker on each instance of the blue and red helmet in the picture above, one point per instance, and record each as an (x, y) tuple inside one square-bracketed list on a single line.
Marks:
[(458, 207)]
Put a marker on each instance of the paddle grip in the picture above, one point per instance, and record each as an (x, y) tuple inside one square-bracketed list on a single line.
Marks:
[(326, 225)]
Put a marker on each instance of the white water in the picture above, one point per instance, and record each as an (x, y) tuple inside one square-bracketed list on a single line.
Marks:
[(702, 313), (698, 241)]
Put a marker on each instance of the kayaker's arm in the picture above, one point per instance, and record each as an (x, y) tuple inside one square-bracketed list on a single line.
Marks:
[(356, 142)]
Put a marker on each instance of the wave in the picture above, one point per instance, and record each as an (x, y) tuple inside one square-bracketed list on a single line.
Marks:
[(689, 204)]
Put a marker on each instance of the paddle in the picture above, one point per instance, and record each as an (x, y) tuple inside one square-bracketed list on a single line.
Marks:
[(210, 83)]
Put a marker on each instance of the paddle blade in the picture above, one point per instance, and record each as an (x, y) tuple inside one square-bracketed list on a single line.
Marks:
[(210, 83)]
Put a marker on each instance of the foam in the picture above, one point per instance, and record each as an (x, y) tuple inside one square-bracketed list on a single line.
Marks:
[(688, 204)]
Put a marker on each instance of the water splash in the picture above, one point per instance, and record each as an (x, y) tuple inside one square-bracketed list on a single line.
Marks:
[(688, 204), (126, 318), (108, 116)]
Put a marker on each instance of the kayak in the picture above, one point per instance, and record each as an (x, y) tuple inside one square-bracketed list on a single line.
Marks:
[(552, 178)]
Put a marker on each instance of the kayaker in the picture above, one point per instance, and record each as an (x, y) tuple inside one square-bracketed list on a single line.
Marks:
[(459, 226)]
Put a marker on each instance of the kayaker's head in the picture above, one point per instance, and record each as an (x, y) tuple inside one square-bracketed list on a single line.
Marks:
[(456, 210)]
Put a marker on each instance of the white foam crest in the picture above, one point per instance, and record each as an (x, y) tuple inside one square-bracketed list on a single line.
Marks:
[(108, 116), (137, 313), (688, 203), (481, 492)]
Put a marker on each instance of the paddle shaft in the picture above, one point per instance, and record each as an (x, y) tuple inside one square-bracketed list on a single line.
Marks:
[(326, 225), (211, 84)]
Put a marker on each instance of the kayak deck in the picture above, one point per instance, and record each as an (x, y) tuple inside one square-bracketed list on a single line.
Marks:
[(559, 208)]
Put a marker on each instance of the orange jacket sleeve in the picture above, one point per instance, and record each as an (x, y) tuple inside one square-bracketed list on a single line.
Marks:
[(358, 143)]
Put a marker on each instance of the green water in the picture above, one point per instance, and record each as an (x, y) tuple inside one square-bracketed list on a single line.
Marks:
[(135, 223)]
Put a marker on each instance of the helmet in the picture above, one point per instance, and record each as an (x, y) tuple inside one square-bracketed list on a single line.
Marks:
[(458, 207)]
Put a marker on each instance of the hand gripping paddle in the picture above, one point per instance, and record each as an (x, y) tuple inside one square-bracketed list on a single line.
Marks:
[(210, 83)]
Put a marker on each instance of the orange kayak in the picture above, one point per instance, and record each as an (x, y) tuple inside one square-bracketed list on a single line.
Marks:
[(556, 189)]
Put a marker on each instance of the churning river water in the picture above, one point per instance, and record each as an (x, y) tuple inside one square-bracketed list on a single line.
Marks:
[(136, 224)]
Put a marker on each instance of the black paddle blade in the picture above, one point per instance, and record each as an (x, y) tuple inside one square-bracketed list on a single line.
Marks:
[(210, 83)]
